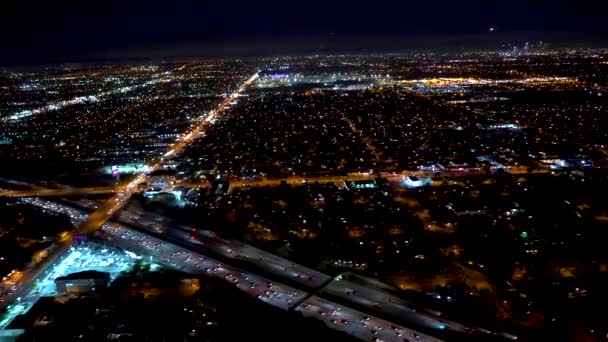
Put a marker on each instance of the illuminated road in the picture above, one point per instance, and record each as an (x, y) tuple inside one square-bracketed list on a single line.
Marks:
[(173, 256), (234, 252), (357, 323), (392, 177), (72, 191), (367, 295), (124, 192), (82, 100), (293, 180), (234, 184), (358, 291), (58, 192)]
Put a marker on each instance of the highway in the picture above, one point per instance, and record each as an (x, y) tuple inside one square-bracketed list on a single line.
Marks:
[(173, 256), (299, 180), (362, 293), (231, 251), (367, 295), (344, 318), (263, 288), (357, 323)]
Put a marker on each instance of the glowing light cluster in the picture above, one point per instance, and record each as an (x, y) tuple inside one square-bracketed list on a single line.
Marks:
[(81, 100), (55, 106), (459, 81)]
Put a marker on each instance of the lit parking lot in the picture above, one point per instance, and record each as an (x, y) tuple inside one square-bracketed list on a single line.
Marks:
[(83, 257)]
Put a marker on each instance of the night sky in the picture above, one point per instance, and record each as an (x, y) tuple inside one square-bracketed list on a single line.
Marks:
[(42, 31)]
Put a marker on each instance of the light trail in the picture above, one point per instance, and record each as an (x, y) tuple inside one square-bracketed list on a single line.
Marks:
[(100, 216)]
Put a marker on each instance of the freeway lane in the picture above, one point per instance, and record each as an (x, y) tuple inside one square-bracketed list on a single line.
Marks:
[(173, 256), (386, 304), (373, 297), (337, 317), (368, 295), (359, 324), (367, 298), (228, 256), (228, 250)]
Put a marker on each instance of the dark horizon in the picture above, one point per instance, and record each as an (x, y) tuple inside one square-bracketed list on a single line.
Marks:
[(330, 44), (74, 31)]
